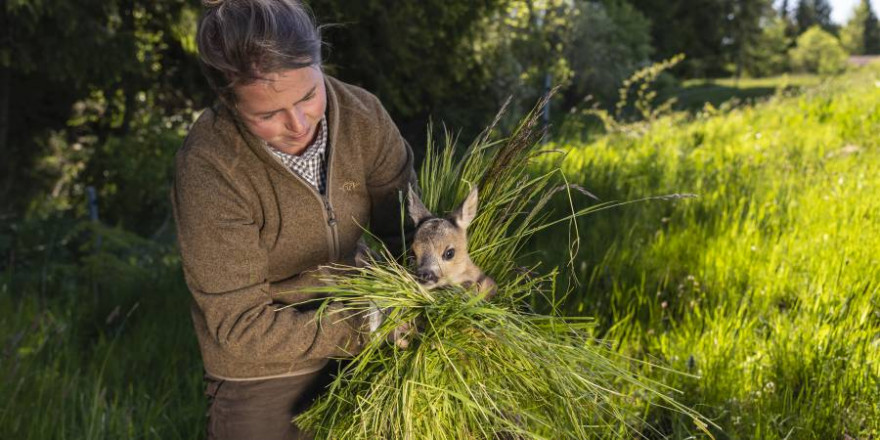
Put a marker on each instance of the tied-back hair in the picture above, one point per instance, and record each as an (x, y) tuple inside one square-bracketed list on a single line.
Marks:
[(240, 41)]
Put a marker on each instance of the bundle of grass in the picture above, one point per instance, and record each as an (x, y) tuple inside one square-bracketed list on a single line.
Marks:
[(477, 368)]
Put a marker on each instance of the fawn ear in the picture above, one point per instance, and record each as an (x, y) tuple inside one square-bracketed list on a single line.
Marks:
[(417, 210), (464, 215)]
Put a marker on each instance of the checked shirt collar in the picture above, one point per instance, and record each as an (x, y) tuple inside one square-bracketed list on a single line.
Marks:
[(310, 164)]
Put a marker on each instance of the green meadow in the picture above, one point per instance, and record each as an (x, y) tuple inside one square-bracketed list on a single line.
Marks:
[(765, 287), (756, 300)]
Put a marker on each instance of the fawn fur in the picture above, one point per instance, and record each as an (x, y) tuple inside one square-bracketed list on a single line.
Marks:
[(441, 255), (440, 246)]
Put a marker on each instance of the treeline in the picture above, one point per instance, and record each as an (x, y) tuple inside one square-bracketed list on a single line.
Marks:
[(99, 94)]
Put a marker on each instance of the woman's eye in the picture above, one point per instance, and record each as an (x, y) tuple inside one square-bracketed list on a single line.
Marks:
[(449, 254), (267, 117)]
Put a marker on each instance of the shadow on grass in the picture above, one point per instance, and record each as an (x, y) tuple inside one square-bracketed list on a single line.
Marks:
[(694, 98), (694, 94)]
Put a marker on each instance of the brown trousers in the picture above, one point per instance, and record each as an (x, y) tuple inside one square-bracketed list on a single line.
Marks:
[(261, 409)]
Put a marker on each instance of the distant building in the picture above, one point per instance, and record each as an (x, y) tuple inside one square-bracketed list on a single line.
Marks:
[(861, 60)]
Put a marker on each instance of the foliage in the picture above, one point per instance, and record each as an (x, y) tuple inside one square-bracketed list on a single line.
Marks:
[(632, 113), (131, 174), (610, 41), (417, 57), (766, 285), (95, 337), (765, 288), (768, 55), (861, 35), (525, 45), (712, 33), (581, 47), (809, 13), (52, 63), (746, 21), (819, 52), (477, 370)]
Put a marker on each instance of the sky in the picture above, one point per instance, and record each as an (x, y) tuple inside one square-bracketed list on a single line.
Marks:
[(841, 10)]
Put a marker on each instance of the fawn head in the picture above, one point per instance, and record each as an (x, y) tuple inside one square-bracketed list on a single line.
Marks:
[(440, 245)]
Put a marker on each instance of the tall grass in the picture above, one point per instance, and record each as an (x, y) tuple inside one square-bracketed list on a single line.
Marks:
[(482, 369), (96, 344), (767, 286)]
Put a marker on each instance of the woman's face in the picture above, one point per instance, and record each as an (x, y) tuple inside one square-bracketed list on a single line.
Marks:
[(284, 108)]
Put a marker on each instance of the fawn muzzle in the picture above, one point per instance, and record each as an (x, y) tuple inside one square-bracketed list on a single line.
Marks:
[(427, 276)]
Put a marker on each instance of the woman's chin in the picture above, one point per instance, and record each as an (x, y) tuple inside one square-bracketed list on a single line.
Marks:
[(289, 147)]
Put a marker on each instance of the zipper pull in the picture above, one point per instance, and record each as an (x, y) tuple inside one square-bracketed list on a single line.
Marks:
[(330, 214)]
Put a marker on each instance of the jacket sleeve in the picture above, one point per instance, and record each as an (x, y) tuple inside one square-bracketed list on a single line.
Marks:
[(226, 270), (391, 172)]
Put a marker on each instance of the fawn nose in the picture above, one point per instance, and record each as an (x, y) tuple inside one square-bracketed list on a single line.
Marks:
[(426, 276)]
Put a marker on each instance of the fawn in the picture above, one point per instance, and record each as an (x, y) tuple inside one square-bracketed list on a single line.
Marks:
[(440, 246), (441, 254)]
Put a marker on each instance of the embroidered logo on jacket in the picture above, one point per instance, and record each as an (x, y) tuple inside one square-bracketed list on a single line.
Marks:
[(350, 186)]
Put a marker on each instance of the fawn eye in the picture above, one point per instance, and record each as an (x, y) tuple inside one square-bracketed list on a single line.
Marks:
[(449, 254)]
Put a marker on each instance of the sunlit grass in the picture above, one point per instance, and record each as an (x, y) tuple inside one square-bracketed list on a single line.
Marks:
[(786, 80), (767, 286)]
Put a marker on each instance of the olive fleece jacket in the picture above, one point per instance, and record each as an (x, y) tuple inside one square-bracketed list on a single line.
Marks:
[(252, 234)]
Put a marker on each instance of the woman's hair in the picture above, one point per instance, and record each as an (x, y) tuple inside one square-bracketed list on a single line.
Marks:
[(240, 41)]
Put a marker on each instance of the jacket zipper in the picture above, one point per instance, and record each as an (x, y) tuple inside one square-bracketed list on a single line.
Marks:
[(329, 213), (331, 222)]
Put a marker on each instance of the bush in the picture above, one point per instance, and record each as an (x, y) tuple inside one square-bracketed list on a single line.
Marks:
[(769, 56), (584, 48), (819, 52)]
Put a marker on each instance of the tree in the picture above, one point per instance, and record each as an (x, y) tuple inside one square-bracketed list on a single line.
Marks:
[(611, 41), (699, 28), (784, 10), (101, 54), (861, 35), (809, 13), (418, 57), (714, 34), (769, 55), (819, 52), (744, 31), (586, 47)]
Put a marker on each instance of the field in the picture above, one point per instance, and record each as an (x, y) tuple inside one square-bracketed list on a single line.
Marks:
[(763, 291), (767, 284)]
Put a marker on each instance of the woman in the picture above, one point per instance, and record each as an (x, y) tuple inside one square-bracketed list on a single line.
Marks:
[(274, 181)]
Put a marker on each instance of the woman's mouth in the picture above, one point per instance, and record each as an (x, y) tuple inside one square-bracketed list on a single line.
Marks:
[(298, 137)]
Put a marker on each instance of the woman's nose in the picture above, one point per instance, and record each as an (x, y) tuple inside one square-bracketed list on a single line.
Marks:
[(296, 120)]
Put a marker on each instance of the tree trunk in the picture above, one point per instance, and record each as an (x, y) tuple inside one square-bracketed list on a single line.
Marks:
[(128, 87), (5, 150)]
